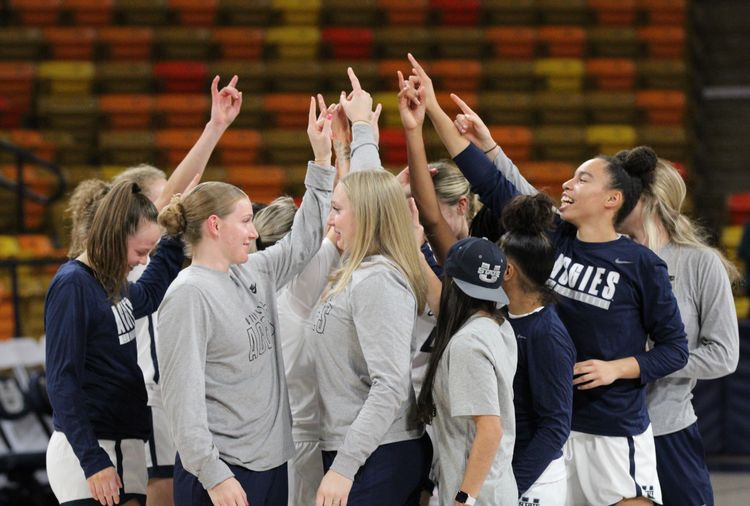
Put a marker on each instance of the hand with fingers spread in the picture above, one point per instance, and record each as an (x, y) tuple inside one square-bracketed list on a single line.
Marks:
[(472, 127), (228, 493), (105, 486), (410, 105), (319, 132), (423, 83), (225, 103), (358, 105), (333, 490)]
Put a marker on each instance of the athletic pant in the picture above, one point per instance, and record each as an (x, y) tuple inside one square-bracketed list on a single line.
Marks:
[(263, 488), (681, 465), (394, 474)]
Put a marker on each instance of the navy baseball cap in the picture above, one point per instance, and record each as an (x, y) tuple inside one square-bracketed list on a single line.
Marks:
[(477, 266)]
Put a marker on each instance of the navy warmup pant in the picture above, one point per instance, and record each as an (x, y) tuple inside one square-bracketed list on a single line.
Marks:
[(394, 474), (263, 488), (681, 465)]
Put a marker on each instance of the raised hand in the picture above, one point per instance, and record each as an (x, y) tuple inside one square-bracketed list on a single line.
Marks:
[(358, 104), (225, 104), (418, 228), (105, 486), (374, 122), (228, 493), (410, 104), (471, 126), (319, 132), (427, 91)]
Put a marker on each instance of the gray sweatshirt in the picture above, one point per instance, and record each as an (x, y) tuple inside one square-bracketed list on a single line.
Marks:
[(222, 371), (363, 346), (365, 154), (704, 296)]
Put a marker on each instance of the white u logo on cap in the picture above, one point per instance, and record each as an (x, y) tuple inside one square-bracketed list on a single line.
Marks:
[(488, 275)]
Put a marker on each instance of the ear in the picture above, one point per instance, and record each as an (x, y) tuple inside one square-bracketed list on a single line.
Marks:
[(510, 271), (212, 226), (613, 200), (462, 205)]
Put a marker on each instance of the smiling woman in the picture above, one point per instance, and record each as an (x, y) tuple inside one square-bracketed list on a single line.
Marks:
[(95, 387), (222, 372)]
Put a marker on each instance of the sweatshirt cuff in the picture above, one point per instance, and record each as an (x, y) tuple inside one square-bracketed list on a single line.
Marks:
[(365, 154), (346, 465), (96, 462), (214, 473), (319, 177)]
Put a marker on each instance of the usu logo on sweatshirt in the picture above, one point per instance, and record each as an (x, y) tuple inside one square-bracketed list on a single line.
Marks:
[(260, 332), (585, 283), (125, 320)]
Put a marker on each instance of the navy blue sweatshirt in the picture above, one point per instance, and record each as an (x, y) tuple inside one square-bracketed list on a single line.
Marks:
[(94, 383), (613, 296), (542, 393)]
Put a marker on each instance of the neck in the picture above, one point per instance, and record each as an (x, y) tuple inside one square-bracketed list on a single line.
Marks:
[(204, 255), (522, 302), (599, 231), (637, 232), (84, 259)]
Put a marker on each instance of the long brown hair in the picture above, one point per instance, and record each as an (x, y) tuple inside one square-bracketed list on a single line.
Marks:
[(117, 216)]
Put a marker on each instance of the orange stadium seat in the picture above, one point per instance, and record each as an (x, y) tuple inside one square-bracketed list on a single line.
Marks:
[(607, 107), (348, 43), (517, 141), (287, 110), (173, 144), (456, 12), (88, 13), (456, 75), (181, 76), (36, 12), (663, 41), (513, 41), (663, 12), (398, 12), (239, 43), (506, 108), (613, 42), (127, 112), (739, 208), (262, 183), (563, 143), (661, 107), (125, 42), (614, 12), (125, 148), (194, 12), (70, 43), (124, 77), (17, 80), (239, 147), (181, 110), (510, 12), (393, 147), (548, 176), (611, 73), (562, 41)]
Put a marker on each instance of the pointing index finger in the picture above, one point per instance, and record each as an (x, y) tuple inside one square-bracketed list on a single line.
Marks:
[(414, 63), (354, 80), (462, 105)]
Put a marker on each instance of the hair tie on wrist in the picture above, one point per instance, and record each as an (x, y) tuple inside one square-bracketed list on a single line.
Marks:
[(493, 147)]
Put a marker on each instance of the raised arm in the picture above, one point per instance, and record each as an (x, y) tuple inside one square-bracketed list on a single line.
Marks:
[(290, 255), (225, 106), (473, 128), (411, 105), (434, 285), (365, 136)]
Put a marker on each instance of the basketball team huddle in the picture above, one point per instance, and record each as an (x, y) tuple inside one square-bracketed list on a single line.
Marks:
[(448, 335)]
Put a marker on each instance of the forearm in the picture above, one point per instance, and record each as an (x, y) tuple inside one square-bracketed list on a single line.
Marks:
[(452, 139), (544, 447), (193, 164), (482, 453), (509, 170), (364, 149), (434, 285)]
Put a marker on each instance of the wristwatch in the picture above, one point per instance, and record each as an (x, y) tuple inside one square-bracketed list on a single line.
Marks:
[(464, 498)]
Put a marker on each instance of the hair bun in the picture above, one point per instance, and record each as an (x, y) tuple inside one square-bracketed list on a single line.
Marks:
[(639, 162), (528, 214), (172, 217)]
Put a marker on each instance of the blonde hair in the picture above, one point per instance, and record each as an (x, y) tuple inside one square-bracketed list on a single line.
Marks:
[(451, 185), (663, 201), (144, 175), (185, 214), (81, 208), (384, 227), (274, 221)]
